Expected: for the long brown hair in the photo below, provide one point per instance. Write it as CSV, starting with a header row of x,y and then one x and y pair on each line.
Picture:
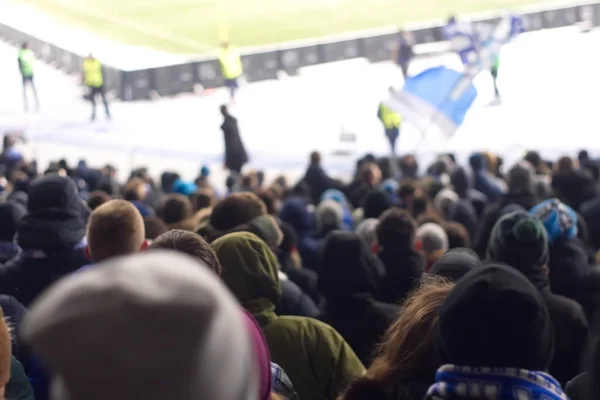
x,y
409,352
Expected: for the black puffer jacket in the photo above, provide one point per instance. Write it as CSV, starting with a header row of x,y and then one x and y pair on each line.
x,y
349,277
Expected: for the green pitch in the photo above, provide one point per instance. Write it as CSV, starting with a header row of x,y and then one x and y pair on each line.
x,y
197,26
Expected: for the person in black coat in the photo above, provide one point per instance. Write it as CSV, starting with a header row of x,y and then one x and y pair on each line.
x,y
520,193
520,241
349,277
235,152
404,265
572,185
316,178
52,237
11,213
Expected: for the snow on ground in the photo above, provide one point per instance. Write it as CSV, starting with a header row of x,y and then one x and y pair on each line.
x,y
548,79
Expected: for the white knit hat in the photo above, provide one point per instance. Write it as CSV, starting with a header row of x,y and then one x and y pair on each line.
x,y
153,326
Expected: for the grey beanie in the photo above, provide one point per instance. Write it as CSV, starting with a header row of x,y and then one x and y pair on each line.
x,y
153,326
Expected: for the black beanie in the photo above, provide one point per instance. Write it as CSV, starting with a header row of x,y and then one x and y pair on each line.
x,y
456,263
494,317
520,241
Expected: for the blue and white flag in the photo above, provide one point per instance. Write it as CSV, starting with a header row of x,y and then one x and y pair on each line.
x,y
437,97
440,97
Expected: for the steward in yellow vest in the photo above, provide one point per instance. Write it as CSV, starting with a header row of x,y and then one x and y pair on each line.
x,y
93,78
391,122
26,60
231,67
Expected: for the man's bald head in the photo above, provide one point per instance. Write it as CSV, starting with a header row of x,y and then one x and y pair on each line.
x,y
116,228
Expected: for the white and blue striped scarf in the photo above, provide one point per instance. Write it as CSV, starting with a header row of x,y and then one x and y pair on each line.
x,y
453,382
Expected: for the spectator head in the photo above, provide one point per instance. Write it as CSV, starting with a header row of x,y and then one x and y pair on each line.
x,y
201,200
455,264
295,212
396,229
236,209
458,236
115,229
177,208
444,200
521,179
565,164
188,243
494,317
56,219
559,219
11,213
168,299
135,190
268,197
154,227
224,110
420,205
347,267
375,203
329,216
409,351
315,158
370,174
250,269
534,158
25,45
408,189
185,188
432,240
520,240
367,231
97,198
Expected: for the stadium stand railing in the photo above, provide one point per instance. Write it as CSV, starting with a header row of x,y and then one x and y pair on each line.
x,y
266,62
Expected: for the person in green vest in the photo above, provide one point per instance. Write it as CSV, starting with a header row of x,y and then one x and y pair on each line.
x,y
391,122
93,78
231,67
26,60
494,72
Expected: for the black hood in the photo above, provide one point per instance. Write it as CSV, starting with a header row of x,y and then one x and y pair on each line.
x,y
456,263
495,317
57,217
347,268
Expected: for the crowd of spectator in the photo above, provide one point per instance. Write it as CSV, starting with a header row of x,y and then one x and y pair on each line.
x,y
408,282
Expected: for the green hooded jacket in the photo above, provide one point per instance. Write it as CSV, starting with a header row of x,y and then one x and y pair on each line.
x,y
317,359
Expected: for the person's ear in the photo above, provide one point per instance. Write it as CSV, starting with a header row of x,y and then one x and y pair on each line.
x,y
88,253
144,245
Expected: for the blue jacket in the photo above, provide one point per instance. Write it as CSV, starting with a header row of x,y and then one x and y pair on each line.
x,y
485,182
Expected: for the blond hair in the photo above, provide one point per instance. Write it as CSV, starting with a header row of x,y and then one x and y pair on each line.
x,y
116,228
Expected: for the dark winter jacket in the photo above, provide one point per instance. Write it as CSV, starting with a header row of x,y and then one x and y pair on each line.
x,y
492,213
403,269
52,239
590,211
572,276
349,277
303,277
318,181
294,301
574,187
295,213
235,152
484,181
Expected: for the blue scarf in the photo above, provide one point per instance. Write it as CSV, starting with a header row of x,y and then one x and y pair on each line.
x,y
454,382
